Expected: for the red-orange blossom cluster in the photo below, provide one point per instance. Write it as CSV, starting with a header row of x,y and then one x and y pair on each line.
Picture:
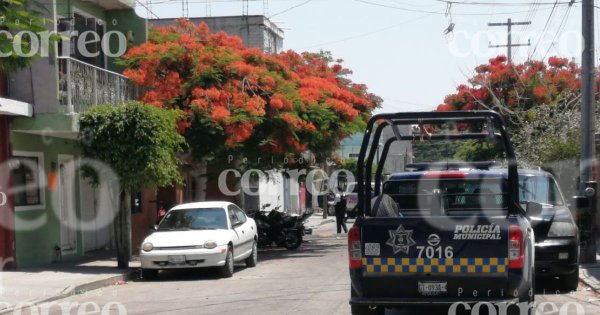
x,y
296,101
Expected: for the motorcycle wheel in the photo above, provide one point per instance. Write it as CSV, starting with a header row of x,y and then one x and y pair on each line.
x,y
292,241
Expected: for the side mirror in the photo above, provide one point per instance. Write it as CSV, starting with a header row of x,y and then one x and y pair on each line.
x,y
534,209
581,202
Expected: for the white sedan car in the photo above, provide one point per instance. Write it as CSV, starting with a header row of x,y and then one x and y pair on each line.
x,y
197,235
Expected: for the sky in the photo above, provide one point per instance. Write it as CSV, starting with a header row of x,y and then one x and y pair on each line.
x,y
398,47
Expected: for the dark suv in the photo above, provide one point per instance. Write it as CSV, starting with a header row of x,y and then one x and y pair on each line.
x,y
556,234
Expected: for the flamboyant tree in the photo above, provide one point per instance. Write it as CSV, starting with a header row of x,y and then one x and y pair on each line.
x,y
510,88
540,101
239,100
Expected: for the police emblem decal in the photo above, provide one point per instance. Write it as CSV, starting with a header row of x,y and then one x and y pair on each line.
x,y
401,240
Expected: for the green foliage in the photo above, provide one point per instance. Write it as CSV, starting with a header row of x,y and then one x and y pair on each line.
x,y
478,151
139,142
17,16
351,165
568,149
434,151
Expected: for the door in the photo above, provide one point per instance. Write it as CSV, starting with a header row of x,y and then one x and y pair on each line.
x,y
96,227
247,230
66,192
240,241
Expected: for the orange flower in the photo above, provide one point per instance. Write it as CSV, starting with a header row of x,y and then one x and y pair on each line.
x,y
220,113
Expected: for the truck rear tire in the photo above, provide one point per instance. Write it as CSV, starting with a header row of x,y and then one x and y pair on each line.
x,y
365,310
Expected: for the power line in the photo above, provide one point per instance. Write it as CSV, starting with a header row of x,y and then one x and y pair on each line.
x,y
368,33
548,22
435,12
503,3
559,30
530,16
147,9
291,8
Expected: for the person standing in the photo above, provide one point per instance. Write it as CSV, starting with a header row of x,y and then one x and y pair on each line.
x,y
340,214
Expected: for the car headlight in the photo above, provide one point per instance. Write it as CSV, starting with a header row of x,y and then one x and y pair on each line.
x,y
562,229
147,247
210,244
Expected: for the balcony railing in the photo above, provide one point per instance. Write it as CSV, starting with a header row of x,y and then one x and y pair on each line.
x,y
82,85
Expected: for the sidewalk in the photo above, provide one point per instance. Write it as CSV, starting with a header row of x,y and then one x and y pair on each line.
x,y
45,284
325,228
33,286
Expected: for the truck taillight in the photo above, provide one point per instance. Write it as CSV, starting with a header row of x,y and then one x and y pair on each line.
x,y
515,247
354,251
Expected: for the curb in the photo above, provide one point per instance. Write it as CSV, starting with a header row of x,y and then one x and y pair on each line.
x,y
79,289
584,276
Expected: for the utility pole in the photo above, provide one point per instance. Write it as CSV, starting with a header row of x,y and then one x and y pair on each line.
x,y
245,7
185,9
588,186
266,7
510,44
208,8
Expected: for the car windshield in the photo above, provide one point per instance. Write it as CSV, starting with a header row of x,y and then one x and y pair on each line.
x,y
459,194
540,189
194,219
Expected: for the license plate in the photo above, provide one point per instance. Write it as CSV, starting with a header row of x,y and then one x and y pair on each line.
x,y
176,259
433,288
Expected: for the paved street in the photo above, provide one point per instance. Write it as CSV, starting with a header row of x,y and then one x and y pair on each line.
x,y
312,280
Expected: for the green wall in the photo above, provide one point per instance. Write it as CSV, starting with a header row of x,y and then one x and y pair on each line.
x,y
65,8
129,23
126,21
36,247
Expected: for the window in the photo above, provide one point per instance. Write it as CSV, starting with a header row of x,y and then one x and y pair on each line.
x,y
241,215
28,180
85,25
236,215
541,189
194,219
458,194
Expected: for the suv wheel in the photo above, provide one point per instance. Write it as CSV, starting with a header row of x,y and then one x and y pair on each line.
x,y
570,282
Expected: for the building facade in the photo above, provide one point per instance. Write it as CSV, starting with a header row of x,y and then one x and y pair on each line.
x,y
60,215
256,31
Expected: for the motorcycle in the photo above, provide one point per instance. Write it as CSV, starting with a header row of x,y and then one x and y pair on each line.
x,y
282,229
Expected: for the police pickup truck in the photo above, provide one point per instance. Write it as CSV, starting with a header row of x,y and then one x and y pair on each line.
x,y
440,237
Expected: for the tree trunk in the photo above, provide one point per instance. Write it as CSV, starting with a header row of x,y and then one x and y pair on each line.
x,y
3,84
122,228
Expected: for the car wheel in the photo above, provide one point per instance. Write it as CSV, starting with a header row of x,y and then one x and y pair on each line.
x,y
149,274
365,310
253,258
227,269
570,282
292,241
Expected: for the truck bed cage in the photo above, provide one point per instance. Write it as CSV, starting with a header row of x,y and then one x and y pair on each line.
x,y
371,140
